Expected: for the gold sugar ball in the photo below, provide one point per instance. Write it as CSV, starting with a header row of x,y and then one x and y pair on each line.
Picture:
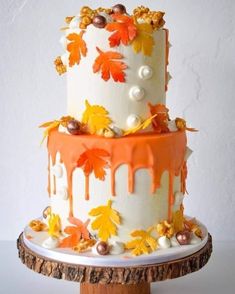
x,y
85,10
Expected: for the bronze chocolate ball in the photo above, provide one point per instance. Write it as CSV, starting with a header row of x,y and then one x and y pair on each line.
x,y
99,21
74,127
102,248
183,237
119,8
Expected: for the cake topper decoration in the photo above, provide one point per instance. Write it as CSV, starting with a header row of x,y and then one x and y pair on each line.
x,y
106,221
110,65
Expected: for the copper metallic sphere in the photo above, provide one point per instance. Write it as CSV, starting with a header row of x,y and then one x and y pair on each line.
x,y
119,8
102,248
99,21
74,127
183,237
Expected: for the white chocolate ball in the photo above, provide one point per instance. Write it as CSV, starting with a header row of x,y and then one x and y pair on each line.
x,y
116,248
164,242
51,243
137,93
133,121
145,72
63,193
174,242
57,170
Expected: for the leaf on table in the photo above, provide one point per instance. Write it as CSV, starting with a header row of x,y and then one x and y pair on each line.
x,y
95,117
143,42
110,66
76,232
124,30
106,221
143,243
92,160
77,48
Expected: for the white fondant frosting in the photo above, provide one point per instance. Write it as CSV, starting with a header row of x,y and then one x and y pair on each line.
x,y
57,170
110,94
188,153
51,243
137,93
145,72
195,239
75,22
174,242
64,42
172,126
116,248
63,193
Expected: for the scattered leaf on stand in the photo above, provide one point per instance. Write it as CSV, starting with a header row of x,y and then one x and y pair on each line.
x,y
92,160
144,40
110,65
106,221
37,225
84,245
54,225
165,229
124,30
96,118
143,244
76,232
76,48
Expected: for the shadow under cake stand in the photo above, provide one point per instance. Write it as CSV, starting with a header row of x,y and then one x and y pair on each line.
x,y
114,274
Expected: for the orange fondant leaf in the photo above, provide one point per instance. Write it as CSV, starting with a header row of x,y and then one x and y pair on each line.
x,y
95,117
93,160
144,40
124,30
76,233
106,221
182,126
110,65
160,121
143,244
76,48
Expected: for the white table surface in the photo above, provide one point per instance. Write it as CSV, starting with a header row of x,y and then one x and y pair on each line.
x,y
217,277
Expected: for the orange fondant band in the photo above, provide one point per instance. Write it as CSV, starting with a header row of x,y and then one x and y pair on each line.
x,y
155,152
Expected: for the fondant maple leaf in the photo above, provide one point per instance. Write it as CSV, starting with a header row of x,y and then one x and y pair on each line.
x,y
110,65
143,244
92,160
144,40
142,126
124,30
95,117
76,48
106,221
54,225
160,121
76,232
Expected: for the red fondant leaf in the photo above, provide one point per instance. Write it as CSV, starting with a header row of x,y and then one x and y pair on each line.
x,y
124,30
109,65
76,48
76,233
92,160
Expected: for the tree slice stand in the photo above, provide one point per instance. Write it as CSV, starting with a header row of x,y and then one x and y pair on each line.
x,y
114,280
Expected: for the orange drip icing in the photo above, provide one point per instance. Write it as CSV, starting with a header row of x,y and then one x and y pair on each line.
x,y
87,193
155,152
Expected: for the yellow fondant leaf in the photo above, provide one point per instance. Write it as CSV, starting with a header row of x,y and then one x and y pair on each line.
x,y
142,126
54,225
178,221
143,244
96,117
52,125
106,221
144,41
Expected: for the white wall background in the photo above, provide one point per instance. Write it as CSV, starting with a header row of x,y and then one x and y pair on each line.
x,y
202,64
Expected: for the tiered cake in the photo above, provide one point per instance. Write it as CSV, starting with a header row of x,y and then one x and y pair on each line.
x,y
117,162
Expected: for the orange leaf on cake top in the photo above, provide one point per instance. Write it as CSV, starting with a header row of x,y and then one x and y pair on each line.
x,y
160,121
124,30
76,48
110,65
93,160
76,232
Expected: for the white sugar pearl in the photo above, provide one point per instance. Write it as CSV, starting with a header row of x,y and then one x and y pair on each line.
x,y
145,72
133,121
51,243
164,242
63,193
174,242
57,170
137,93
116,248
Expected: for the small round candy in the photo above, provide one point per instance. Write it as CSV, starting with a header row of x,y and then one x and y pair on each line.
x,y
74,127
133,121
145,72
137,93
119,8
183,237
99,21
102,248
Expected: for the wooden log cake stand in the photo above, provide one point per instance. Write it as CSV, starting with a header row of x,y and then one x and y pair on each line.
x,y
114,280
